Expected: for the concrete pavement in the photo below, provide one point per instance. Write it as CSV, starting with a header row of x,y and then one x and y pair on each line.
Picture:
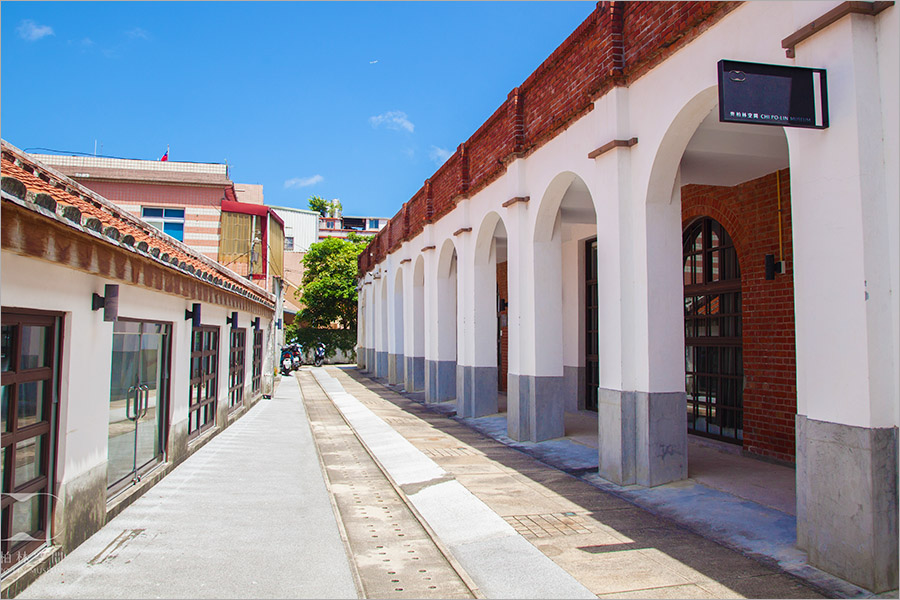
x,y
246,516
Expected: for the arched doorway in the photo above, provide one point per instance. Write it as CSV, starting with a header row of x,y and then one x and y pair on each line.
x,y
441,371
713,353
415,360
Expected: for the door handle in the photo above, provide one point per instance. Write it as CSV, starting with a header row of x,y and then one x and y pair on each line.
x,y
146,400
128,414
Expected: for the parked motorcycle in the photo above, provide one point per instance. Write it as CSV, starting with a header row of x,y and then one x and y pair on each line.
x,y
287,362
320,355
296,355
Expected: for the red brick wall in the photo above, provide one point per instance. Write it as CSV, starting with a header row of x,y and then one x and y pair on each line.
x,y
618,43
749,212
503,294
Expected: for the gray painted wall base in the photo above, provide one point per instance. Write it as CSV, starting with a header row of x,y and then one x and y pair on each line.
x,y
395,368
477,391
381,364
440,380
576,387
370,360
82,509
661,448
615,416
361,354
415,373
535,407
847,501
642,437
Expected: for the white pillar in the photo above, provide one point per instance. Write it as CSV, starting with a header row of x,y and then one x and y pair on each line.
x,y
846,308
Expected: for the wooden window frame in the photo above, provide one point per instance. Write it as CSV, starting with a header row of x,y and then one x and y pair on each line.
x,y
256,374
41,484
201,400
708,350
237,352
592,389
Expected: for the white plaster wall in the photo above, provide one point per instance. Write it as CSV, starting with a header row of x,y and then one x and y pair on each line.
x,y
87,349
888,47
398,345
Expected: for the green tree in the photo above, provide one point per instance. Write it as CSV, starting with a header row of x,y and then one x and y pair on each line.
x,y
318,204
328,290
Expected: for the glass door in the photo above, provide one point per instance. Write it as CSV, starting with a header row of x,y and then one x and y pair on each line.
x,y
138,393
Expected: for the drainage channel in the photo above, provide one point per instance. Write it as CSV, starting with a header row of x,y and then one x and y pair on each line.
x,y
395,557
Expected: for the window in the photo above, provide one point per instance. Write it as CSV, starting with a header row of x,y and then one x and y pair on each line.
x,y
236,368
329,224
288,244
256,380
714,372
591,325
29,373
204,379
373,223
168,220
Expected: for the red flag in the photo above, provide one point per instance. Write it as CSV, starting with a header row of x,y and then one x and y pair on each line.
x,y
166,155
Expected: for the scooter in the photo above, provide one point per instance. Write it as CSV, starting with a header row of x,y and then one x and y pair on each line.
x,y
296,355
320,355
287,363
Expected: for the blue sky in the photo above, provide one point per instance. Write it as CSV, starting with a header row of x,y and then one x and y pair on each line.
x,y
352,100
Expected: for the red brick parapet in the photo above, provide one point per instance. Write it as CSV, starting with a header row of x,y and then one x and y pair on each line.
x,y
617,44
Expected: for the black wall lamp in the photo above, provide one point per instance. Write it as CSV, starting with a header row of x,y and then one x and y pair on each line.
x,y
109,302
232,320
773,266
193,314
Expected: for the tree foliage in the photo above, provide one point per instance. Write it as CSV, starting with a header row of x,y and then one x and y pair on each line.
x,y
318,204
328,290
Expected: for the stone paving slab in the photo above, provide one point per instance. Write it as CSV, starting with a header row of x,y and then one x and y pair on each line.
x,y
629,552
246,516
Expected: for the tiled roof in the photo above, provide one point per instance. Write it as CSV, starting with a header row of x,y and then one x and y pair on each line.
x,y
48,191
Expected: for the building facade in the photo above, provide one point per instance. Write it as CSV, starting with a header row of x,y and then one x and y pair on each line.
x,y
123,352
340,226
196,203
604,242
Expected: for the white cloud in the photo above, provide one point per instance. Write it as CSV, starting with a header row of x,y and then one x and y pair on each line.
x,y
87,42
138,33
300,182
31,31
393,119
439,155
373,62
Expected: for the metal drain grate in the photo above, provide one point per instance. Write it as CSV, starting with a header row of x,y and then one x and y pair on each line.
x,y
445,452
394,556
550,525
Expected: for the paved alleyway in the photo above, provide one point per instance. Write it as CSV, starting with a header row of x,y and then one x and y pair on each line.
x,y
246,516
611,547
429,508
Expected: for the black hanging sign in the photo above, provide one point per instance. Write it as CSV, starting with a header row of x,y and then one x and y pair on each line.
x,y
772,95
